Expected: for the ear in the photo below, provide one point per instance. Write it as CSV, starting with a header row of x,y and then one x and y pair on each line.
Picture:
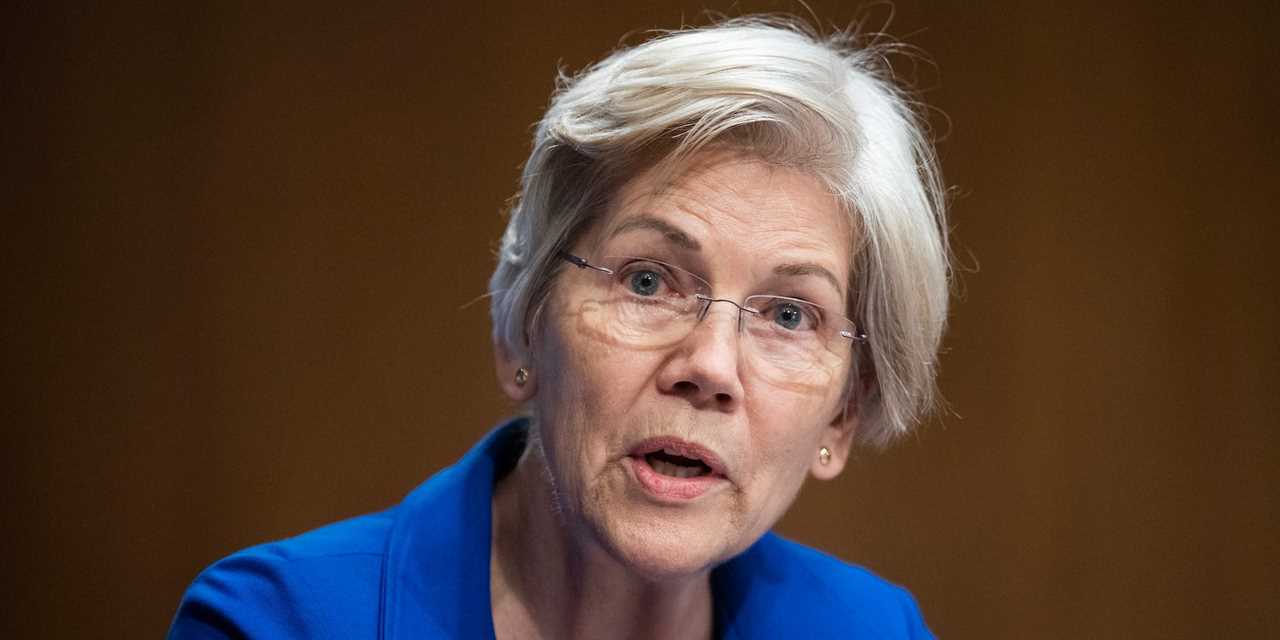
x,y
837,437
506,363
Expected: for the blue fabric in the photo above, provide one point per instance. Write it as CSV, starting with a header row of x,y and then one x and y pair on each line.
x,y
421,570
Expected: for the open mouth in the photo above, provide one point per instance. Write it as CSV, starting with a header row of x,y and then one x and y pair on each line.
x,y
675,458
674,471
675,465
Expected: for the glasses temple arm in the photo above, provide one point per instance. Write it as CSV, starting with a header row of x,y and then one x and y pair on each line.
x,y
582,263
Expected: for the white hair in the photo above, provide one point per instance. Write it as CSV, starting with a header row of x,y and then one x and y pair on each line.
x,y
773,89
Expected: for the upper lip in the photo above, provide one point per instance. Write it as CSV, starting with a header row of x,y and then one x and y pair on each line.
x,y
679,447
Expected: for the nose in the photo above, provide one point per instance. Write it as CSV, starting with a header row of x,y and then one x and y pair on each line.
x,y
703,368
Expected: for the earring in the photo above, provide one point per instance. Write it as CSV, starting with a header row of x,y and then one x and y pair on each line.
x,y
824,456
522,376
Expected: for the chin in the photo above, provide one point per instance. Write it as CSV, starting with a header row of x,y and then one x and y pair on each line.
x,y
661,549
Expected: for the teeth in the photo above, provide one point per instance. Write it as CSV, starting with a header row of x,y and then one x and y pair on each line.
x,y
669,469
678,454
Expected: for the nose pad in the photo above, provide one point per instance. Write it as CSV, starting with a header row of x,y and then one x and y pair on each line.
x,y
706,309
736,310
705,368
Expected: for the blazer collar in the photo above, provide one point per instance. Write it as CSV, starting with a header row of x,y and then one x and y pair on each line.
x,y
435,581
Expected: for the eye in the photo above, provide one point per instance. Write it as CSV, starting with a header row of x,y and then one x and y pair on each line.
x,y
792,315
788,315
648,278
644,282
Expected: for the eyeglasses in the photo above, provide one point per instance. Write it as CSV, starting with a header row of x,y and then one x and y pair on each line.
x,y
645,303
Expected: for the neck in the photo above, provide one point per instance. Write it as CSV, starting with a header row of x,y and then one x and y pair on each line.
x,y
547,581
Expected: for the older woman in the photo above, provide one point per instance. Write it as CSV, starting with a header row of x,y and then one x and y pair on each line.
x,y
725,269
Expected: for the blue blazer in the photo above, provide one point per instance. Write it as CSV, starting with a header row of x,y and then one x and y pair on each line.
x,y
421,570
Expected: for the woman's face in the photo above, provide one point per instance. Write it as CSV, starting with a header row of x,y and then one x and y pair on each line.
x,y
623,425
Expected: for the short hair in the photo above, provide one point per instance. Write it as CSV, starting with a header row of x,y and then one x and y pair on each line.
x,y
775,89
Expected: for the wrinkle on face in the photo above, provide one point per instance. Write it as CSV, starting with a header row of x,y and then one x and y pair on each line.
x,y
740,224
713,205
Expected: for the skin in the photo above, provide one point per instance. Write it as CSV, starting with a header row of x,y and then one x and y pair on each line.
x,y
579,549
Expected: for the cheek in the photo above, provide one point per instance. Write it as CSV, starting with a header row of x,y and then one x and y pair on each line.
x,y
585,394
785,459
782,474
591,372
559,407
787,426
785,435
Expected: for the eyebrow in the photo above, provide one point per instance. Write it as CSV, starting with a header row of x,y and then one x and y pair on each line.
x,y
808,269
672,233
678,237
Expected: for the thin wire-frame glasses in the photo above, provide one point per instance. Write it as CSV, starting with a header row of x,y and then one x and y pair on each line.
x,y
649,303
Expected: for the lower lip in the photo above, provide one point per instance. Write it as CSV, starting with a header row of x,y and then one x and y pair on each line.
x,y
670,488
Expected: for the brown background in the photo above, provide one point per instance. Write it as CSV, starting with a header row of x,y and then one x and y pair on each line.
x,y
239,242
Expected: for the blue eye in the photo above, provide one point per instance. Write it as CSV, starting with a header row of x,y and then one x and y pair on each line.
x,y
644,283
788,315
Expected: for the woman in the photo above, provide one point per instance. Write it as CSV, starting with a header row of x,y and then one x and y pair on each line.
x,y
725,269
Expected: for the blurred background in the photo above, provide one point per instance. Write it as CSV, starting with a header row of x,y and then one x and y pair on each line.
x,y
240,242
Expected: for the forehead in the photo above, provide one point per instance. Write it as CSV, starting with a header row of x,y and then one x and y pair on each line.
x,y
732,207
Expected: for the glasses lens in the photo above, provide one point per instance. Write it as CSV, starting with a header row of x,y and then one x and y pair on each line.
x,y
646,304
795,335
